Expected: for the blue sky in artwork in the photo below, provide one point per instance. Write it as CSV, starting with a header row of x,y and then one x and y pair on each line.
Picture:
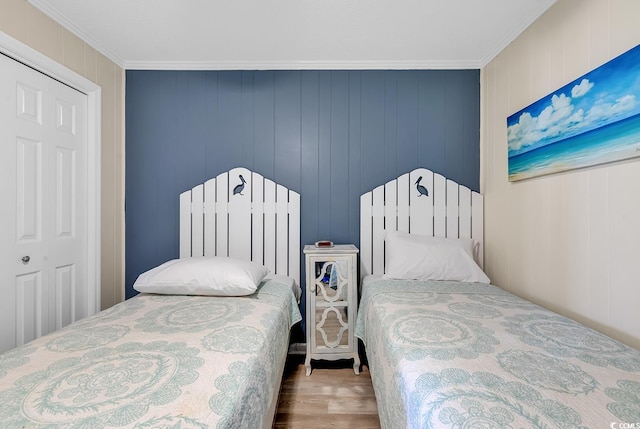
x,y
603,96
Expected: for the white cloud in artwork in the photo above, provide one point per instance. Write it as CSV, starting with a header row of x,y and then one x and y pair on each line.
x,y
604,111
581,89
561,117
551,121
559,109
523,133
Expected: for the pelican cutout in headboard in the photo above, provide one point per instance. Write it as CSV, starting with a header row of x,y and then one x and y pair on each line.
x,y
419,202
243,215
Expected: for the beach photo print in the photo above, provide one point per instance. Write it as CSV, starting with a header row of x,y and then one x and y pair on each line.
x,y
593,120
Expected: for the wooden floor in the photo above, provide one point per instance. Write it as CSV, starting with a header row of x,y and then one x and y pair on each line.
x,y
333,396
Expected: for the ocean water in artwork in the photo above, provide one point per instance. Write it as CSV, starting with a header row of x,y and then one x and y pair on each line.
x,y
612,142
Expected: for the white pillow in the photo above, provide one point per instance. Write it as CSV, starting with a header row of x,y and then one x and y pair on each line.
x,y
422,257
215,276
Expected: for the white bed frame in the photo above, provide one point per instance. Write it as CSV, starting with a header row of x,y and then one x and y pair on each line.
x,y
241,214
449,210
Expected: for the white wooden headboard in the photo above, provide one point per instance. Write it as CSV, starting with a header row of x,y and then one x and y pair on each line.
x,y
243,215
419,202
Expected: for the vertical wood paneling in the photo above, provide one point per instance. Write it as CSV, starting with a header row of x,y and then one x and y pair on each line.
x,y
624,251
189,160
339,156
471,127
287,128
390,124
355,154
209,91
143,95
309,147
167,140
248,120
372,111
180,148
264,105
432,120
454,136
599,273
324,155
230,114
329,135
407,122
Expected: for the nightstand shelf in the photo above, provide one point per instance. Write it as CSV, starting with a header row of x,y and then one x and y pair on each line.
x,y
331,301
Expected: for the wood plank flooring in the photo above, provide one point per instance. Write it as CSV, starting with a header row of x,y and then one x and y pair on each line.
x,y
333,396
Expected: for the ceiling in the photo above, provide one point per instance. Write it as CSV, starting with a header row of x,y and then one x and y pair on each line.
x,y
296,34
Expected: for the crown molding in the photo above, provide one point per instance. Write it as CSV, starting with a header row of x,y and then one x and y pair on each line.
x,y
301,65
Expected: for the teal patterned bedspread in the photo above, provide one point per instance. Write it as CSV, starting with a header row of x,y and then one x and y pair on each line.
x,y
154,361
465,355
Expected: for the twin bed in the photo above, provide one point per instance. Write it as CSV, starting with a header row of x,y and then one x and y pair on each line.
x,y
172,359
450,350
447,350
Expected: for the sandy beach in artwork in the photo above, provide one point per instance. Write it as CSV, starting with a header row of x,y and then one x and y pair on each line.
x,y
559,166
614,142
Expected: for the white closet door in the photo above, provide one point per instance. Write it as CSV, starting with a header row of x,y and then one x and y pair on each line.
x,y
43,231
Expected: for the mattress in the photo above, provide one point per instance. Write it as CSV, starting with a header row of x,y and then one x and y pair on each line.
x,y
155,361
453,355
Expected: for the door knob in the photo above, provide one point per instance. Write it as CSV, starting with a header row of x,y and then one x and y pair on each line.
x,y
25,259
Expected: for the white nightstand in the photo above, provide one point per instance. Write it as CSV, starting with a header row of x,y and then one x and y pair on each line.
x,y
331,300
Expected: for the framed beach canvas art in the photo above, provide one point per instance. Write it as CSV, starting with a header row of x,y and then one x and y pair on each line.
x,y
593,120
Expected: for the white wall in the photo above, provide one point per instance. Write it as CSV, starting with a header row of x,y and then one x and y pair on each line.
x,y
570,241
27,24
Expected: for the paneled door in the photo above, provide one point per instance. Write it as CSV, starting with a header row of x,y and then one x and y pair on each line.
x,y
43,231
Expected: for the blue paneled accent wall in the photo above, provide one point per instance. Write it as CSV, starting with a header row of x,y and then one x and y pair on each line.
x,y
329,135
